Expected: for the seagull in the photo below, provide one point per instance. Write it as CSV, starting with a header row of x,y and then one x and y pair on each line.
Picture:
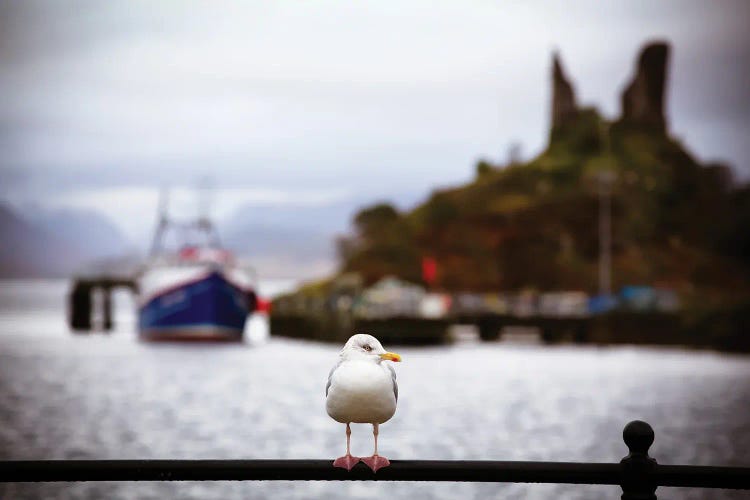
x,y
362,390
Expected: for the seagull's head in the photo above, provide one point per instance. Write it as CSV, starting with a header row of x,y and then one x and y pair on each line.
x,y
366,347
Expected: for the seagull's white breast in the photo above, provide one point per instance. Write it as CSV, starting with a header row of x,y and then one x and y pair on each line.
x,y
361,392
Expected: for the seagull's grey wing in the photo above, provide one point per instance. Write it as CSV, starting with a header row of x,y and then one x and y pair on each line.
x,y
393,378
330,375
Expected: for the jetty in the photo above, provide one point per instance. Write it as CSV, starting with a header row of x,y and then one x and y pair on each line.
x,y
402,313
83,308
617,327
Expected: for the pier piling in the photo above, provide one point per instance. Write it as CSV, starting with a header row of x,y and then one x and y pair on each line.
x,y
80,307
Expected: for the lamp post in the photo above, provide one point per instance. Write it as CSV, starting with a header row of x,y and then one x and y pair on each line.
x,y
606,179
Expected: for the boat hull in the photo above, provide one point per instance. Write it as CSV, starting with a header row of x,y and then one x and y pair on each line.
x,y
206,308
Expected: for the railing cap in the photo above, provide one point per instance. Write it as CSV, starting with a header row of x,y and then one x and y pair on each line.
x,y
638,436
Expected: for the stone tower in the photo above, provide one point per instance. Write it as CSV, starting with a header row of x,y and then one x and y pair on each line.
x,y
564,108
643,99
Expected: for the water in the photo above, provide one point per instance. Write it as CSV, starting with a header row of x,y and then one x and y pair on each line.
x,y
110,396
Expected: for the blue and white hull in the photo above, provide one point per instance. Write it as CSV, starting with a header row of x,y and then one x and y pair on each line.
x,y
196,303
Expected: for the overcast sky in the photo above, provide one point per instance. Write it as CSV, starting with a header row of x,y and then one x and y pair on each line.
x,y
309,103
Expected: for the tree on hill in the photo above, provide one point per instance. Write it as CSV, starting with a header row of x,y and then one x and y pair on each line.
x,y
382,245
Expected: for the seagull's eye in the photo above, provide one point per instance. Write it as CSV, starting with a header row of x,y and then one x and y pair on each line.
x,y
367,348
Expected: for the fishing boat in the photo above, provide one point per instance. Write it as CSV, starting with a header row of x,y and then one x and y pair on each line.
x,y
196,292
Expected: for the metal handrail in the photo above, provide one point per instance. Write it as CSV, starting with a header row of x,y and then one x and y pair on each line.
x,y
637,474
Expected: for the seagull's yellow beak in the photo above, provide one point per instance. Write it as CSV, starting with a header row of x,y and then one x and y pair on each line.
x,y
391,356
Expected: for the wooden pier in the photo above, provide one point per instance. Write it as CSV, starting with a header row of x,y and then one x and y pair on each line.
x,y
620,327
81,304
615,327
399,330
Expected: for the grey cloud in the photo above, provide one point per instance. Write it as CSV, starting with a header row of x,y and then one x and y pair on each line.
x,y
136,93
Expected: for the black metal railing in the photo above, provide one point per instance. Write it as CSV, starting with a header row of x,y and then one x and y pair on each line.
x,y
638,474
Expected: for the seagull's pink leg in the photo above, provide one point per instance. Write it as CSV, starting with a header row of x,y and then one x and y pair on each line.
x,y
376,462
347,461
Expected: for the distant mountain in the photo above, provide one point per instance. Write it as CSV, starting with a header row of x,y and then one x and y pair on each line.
x,y
287,240
25,249
91,233
277,241
281,252
330,218
55,243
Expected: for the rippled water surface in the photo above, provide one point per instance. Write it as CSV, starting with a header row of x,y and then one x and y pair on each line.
x,y
110,396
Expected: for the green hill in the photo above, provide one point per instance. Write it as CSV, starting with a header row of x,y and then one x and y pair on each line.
x,y
675,222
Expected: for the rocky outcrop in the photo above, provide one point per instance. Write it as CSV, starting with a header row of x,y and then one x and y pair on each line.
x,y
643,99
564,107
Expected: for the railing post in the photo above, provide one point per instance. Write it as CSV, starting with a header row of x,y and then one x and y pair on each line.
x,y
638,468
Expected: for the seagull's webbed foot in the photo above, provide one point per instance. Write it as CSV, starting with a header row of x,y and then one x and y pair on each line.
x,y
346,462
376,462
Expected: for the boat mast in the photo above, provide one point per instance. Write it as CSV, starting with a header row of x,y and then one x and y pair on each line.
x,y
162,223
200,231
205,200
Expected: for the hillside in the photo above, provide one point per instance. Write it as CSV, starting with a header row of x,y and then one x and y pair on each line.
x,y
24,248
281,241
675,222
55,244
